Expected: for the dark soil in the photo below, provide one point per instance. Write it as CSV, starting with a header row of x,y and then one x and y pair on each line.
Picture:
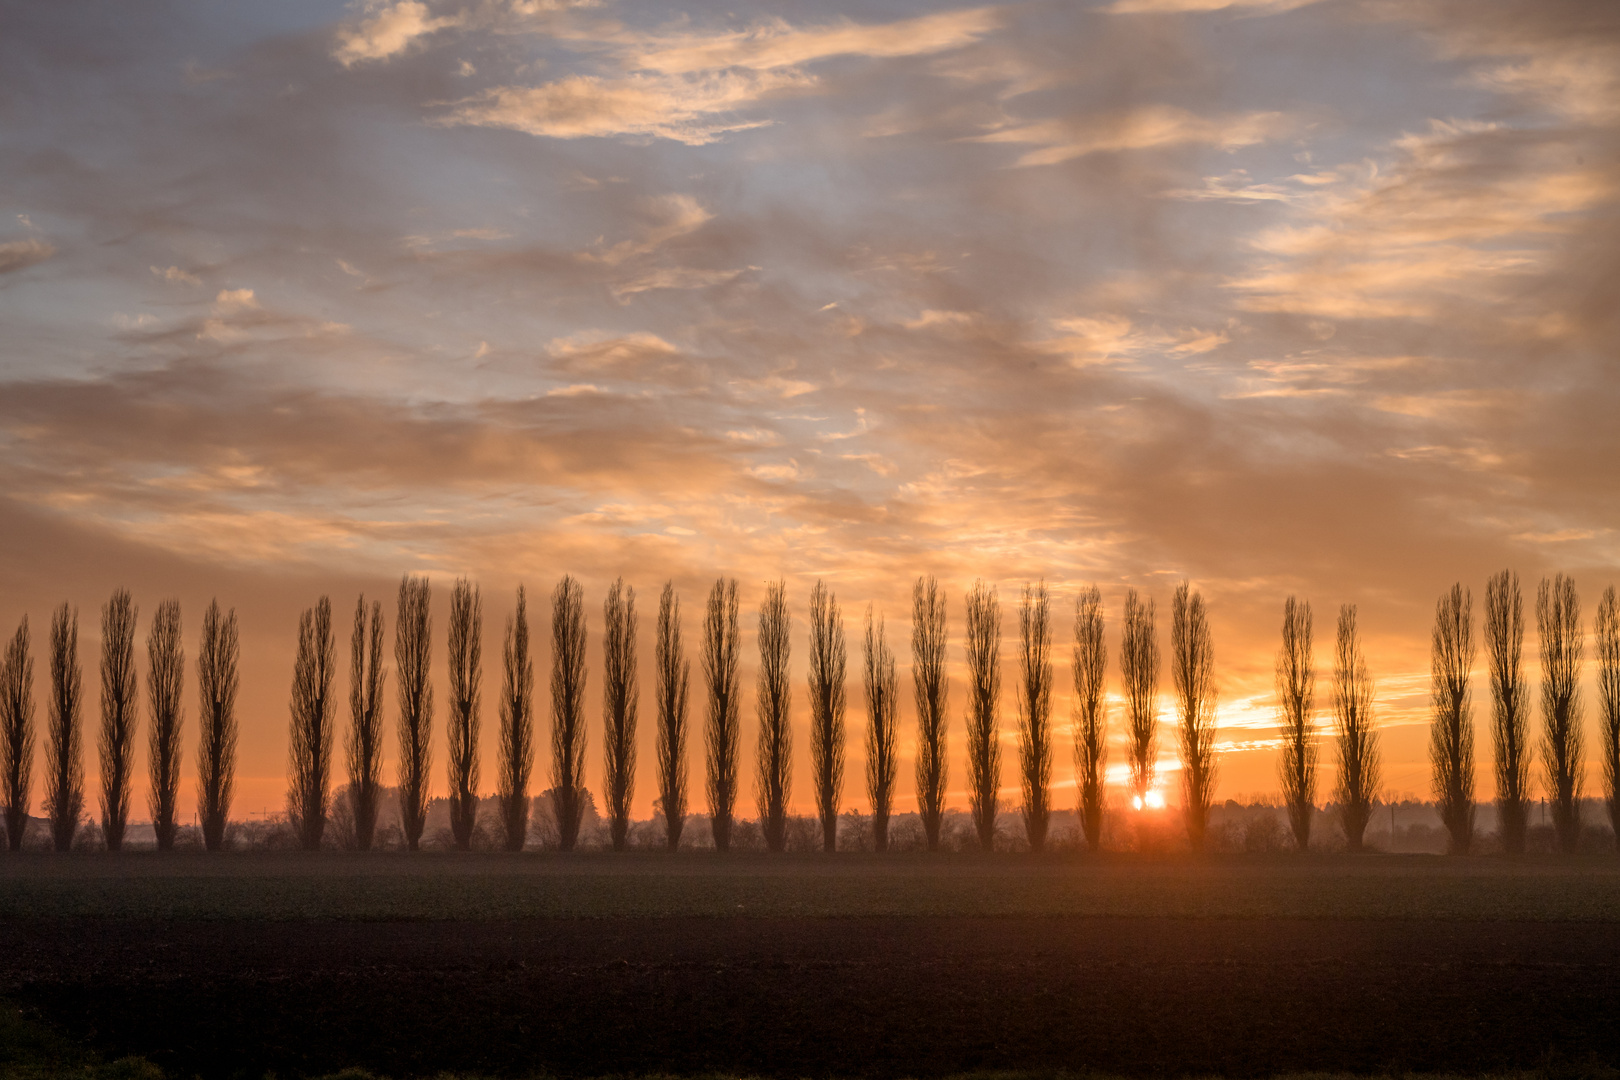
x,y
817,997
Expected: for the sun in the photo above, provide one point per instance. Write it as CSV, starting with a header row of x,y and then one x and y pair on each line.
x,y
1154,800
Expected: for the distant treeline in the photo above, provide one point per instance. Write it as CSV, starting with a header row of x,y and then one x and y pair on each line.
x,y
314,708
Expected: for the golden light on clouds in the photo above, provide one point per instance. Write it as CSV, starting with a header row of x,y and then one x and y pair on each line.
x,y
1277,297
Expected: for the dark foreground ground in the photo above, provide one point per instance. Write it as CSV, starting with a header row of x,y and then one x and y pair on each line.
x,y
808,997
782,968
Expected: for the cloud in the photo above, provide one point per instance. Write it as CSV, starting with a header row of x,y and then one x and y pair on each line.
x,y
175,276
688,88
1132,7
687,109
778,44
1146,128
21,254
388,32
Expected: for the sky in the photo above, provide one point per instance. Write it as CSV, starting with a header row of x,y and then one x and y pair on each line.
x,y
1277,298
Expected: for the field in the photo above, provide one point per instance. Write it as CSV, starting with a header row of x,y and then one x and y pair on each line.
x,y
800,966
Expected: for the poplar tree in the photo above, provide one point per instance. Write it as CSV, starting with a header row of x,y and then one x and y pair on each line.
x,y
17,734
1139,670
931,687
217,683
1296,702
1558,619
720,656
1510,737
773,702
517,727
1451,732
120,705
1035,711
1090,670
465,649
413,661
826,685
568,709
983,649
882,694
674,673
1357,736
165,687
64,762
311,730
620,695
366,677
1193,668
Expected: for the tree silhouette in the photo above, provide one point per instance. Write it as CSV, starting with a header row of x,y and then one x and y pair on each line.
x,y
674,673
1139,670
1193,670
983,650
119,715
826,685
1357,737
773,701
413,661
1296,701
1606,643
932,689
720,655
466,699
311,731
517,727
17,733
64,763
568,709
620,695
1090,670
1035,711
1451,733
1504,651
882,694
165,683
366,677
1558,620
217,682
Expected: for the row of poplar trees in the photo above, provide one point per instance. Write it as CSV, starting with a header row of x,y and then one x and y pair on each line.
x,y
314,707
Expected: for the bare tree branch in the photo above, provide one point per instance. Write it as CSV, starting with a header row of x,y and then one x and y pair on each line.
x,y
217,681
